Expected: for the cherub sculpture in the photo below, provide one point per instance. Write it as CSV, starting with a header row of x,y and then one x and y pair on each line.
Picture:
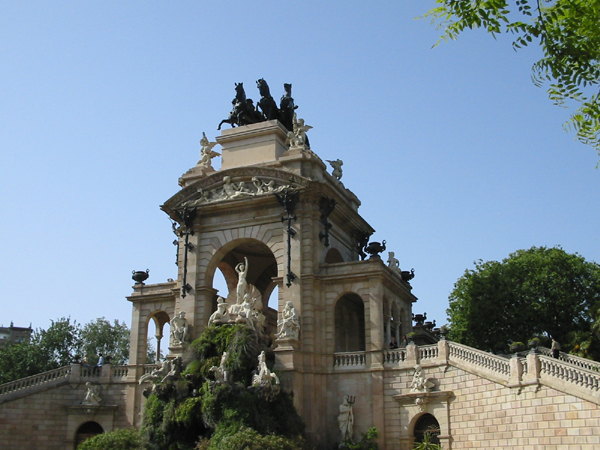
x,y
206,152
297,137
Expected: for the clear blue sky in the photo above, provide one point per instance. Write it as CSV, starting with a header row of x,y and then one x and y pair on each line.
x,y
454,153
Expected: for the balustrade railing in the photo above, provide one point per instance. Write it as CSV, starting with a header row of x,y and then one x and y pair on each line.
x,y
428,351
36,380
394,356
479,358
119,371
350,359
553,368
571,359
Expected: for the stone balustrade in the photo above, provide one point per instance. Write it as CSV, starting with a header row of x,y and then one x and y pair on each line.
x,y
556,370
394,356
478,358
428,351
354,360
572,359
68,374
62,373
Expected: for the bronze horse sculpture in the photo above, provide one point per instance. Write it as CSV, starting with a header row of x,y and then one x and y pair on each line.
x,y
243,112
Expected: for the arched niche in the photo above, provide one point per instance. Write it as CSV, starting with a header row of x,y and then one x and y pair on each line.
x,y
349,324
160,332
86,431
333,256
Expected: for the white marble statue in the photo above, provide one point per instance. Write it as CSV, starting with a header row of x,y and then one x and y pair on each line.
x,y
262,186
264,377
230,190
179,329
419,382
297,137
206,152
289,324
221,375
393,263
337,168
157,374
346,420
221,315
242,285
92,395
174,373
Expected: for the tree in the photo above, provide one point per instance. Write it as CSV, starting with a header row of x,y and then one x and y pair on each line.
x,y
536,292
48,349
64,343
99,336
568,32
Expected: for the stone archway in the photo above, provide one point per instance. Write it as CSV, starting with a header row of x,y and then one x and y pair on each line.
x,y
262,271
427,424
86,431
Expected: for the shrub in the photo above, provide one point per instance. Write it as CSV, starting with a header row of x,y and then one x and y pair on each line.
x,y
127,439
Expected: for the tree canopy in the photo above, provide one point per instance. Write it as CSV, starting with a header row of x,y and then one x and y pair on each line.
x,y
536,292
64,342
568,32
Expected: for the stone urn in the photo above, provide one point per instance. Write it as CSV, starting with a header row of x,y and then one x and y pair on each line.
x,y
375,248
139,276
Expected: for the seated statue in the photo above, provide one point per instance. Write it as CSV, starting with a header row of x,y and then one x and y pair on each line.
x,y
289,324
179,329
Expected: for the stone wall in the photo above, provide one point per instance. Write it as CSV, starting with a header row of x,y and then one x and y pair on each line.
x,y
483,413
48,416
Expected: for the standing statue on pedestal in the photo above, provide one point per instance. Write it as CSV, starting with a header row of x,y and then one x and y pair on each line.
x,y
289,324
346,420
206,152
287,108
179,329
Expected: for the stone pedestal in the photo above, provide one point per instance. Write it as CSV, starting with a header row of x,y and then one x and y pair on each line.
x,y
252,144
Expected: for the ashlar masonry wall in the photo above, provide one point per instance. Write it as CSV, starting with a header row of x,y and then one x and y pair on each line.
x,y
483,413
48,417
